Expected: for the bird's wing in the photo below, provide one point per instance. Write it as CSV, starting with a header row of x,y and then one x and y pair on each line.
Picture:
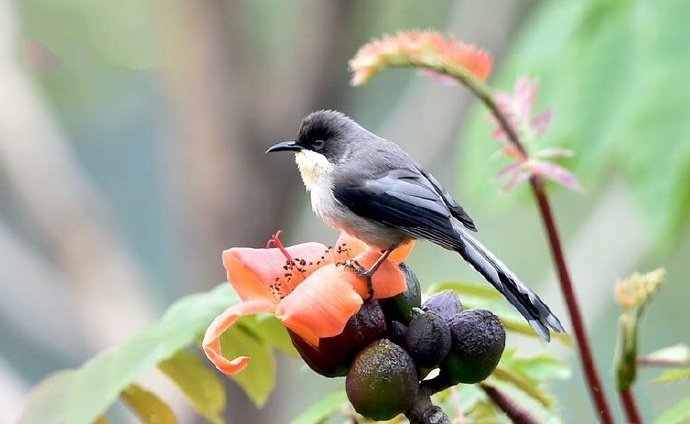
x,y
403,199
455,209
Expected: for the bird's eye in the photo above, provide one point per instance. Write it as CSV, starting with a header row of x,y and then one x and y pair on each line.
x,y
317,144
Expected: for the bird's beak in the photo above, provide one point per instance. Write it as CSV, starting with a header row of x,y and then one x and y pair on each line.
x,y
290,146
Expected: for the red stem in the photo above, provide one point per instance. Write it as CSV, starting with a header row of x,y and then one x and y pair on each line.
x,y
631,412
596,390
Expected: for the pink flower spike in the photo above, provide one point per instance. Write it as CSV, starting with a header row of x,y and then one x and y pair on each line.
x,y
557,174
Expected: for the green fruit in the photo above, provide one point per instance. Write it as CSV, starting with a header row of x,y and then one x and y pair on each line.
x,y
477,342
427,340
335,354
382,381
399,307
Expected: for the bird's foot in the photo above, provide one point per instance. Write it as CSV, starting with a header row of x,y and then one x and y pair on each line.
x,y
358,269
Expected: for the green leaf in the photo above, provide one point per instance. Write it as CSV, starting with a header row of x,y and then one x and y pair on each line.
x,y
96,385
269,329
148,407
200,385
538,368
678,414
523,383
45,402
481,291
319,412
676,353
674,375
258,379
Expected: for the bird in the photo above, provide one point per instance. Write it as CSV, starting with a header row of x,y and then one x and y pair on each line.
x,y
371,189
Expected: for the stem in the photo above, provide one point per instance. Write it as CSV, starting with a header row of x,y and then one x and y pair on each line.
x,y
508,405
425,412
631,412
596,390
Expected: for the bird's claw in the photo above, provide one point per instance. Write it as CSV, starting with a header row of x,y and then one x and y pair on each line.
x,y
358,269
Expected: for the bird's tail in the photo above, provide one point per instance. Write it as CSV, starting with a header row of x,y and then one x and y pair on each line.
x,y
526,301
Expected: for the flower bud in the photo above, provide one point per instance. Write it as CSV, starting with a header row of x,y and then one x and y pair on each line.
x,y
382,381
427,340
477,342
335,354
445,304
399,307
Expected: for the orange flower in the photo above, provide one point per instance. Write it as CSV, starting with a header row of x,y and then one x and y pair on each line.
x,y
304,287
420,48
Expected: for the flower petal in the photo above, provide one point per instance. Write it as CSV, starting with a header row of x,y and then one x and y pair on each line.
x,y
388,280
222,322
320,306
401,252
267,274
557,174
348,247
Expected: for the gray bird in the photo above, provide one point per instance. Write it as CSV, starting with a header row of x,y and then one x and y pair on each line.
x,y
370,188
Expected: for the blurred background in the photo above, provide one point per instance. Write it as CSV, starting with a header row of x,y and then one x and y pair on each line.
x,y
132,139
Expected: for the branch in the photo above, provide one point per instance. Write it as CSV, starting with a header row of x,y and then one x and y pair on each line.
x,y
595,387
631,412
517,414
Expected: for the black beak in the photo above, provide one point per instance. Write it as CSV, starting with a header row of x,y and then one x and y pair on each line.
x,y
285,146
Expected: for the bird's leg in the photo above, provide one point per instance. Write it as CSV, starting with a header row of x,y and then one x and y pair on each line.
x,y
368,273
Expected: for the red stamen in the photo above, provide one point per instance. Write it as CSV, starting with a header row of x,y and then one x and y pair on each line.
x,y
275,242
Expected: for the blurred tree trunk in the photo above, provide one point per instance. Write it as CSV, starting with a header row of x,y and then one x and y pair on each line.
x,y
228,110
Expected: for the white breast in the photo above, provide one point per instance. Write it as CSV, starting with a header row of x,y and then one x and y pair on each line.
x,y
312,166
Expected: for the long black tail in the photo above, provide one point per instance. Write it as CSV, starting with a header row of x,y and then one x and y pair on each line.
x,y
526,301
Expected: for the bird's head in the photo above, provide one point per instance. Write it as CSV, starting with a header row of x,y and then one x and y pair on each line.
x,y
324,140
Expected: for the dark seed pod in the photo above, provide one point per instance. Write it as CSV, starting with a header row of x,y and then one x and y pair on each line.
x,y
445,304
334,355
427,340
396,333
477,342
382,381
399,307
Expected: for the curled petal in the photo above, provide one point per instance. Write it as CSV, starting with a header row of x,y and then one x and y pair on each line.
x,y
211,342
401,253
320,306
267,274
348,247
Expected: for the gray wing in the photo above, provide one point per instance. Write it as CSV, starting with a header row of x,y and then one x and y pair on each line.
x,y
456,210
404,199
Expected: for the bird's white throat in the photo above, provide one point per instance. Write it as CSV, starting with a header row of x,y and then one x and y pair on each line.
x,y
312,166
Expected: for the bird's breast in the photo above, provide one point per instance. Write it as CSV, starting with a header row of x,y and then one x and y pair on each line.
x,y
312,167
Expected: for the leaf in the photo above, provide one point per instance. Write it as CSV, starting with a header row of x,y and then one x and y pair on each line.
x,y
148,407
523,383
258,379
676,353
323,409
97,384
465,288
44,404
269,329
678,414
200,385
539,368
674,375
